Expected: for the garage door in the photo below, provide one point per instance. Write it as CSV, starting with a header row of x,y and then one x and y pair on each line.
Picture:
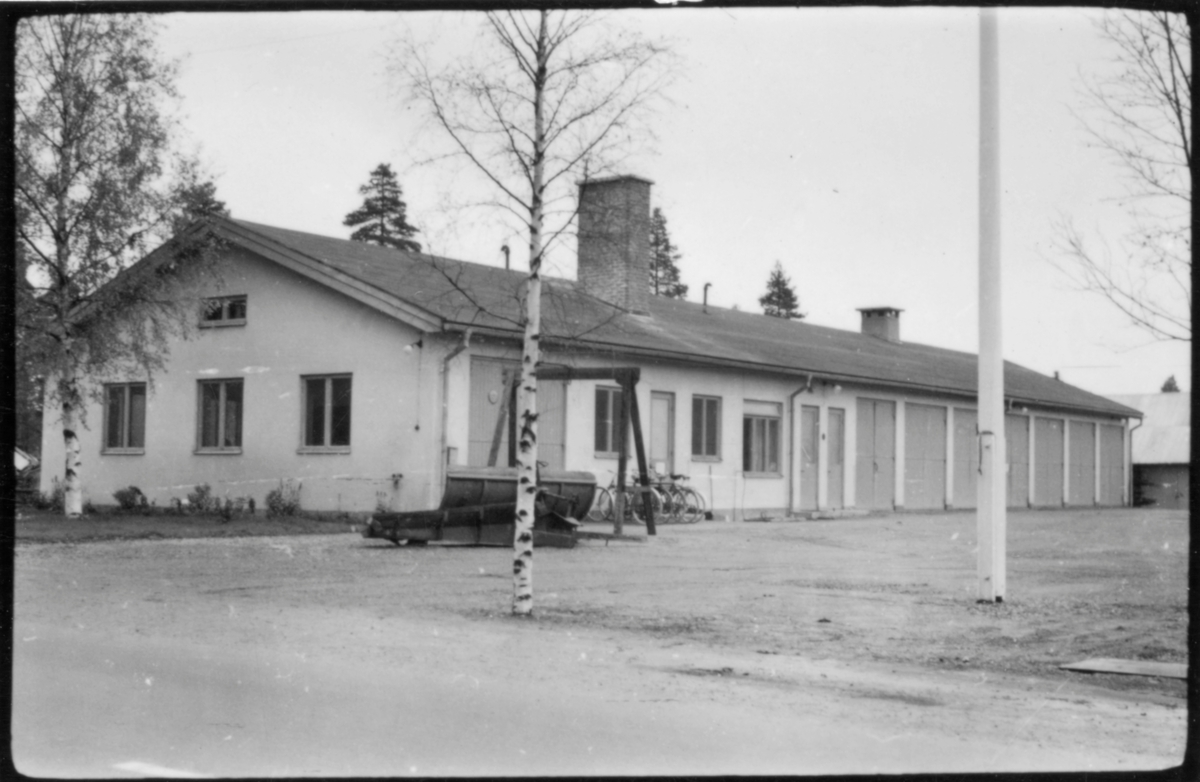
x,y
966,457
1016,445
1112,464
1082,488
489,423
875,462
924,456
1048,462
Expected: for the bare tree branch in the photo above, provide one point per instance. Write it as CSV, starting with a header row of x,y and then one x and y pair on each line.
x,y
543,95
1141,115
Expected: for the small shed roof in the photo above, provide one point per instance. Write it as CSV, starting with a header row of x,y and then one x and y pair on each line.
x,y
1165,436
462,294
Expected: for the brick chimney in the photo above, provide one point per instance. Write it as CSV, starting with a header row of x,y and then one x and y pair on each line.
x,y
614,241
882,322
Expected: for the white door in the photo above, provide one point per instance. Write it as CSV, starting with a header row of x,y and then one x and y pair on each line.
x,y
662,432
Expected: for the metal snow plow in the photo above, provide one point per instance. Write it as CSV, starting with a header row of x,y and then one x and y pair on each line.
x,y
479,506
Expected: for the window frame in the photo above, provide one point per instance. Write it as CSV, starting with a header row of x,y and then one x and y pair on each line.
x,y
224,320
703,456
327,413
614,421
126,394
758,446
222,413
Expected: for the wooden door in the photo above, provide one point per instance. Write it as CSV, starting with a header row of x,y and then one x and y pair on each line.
x,y
924,456
1082,486
488,422
966,457
1112,464
662,432
1048,462
836,457
1016,445
810,462
875,462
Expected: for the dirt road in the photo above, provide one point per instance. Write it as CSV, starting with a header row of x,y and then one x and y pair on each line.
x,y
864,628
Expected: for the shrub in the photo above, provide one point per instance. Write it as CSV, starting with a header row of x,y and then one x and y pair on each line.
x,y
236,506
284,500
130,498
201,500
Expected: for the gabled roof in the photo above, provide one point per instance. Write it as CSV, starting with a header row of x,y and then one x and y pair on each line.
x,y
1165,436
443,294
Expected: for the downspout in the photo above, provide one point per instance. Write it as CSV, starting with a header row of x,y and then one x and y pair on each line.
x,y
443,454
1129,460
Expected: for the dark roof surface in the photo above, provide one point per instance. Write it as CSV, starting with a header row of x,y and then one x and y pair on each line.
x,y
467,294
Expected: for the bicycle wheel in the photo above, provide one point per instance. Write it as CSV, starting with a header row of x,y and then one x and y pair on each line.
x,y
602,506
693,505
674,504
633,501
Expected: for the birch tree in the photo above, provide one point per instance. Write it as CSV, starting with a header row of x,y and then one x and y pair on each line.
x,y
97,185
1140,114
546,99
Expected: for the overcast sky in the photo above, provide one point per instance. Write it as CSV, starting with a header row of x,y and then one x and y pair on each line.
x,y
842,143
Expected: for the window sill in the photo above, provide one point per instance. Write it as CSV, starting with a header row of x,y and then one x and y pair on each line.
x,y
122,451
323,449
698,458
217,451
220,324
608,455
762,475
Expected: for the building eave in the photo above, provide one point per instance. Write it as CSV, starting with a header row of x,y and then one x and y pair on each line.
x,y
626,352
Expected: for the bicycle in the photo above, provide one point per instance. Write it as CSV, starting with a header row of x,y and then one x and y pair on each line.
x,y
604,505
682,504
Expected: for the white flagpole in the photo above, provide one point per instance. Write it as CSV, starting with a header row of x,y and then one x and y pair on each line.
x,y
991,516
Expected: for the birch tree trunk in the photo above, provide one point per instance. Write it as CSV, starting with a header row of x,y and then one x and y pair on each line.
x,y
72,483
527,452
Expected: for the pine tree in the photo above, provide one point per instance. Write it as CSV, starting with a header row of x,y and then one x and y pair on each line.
x,y
196,201
664,257
1170,387
780,300
381,219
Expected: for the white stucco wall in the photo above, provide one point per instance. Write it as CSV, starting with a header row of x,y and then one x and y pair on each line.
x,y
410,412
294,327
723,482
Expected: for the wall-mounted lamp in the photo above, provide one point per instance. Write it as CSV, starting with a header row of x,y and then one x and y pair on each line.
x,y
420,343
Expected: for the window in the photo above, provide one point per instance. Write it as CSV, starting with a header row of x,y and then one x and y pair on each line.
x,y
224,311
221,416
706,427
760,438
326,413
125,418
608,420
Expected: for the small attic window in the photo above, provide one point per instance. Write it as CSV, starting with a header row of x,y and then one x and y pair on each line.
x,y
224,311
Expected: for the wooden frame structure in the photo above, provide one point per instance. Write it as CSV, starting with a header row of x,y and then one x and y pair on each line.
x,y
626,378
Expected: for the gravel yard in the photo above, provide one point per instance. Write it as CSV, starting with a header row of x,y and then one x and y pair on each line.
x,y
871,620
